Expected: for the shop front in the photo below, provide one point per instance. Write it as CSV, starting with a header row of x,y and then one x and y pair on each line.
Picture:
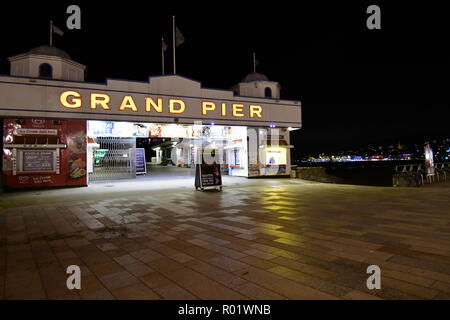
x,y
115,149
61,132
48,152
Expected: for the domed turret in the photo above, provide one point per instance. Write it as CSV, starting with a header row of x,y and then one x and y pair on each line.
x,y
254,76
46,62
49,51
256,84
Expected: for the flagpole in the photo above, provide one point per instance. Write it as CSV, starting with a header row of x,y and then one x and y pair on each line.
x,y
51,33
254,62
174,45
162,55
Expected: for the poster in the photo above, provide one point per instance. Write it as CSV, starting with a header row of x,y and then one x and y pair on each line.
x,y
98,128
141,167
208,174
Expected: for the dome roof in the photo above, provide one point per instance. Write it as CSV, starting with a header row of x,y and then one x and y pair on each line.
x,y
49,51
254,76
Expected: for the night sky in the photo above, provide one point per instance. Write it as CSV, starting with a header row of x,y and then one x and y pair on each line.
x,y
357,86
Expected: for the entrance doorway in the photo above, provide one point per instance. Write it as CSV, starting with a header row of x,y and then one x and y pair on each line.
x,y
111,158
156,152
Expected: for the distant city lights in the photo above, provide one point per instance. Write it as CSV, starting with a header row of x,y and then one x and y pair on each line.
x,y
395,152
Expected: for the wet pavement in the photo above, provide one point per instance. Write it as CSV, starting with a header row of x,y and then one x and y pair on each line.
x,y
257,239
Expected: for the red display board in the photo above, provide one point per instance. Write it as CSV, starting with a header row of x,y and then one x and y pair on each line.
x,y
41,153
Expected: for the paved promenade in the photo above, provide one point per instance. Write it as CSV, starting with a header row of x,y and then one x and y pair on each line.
x,y
257,239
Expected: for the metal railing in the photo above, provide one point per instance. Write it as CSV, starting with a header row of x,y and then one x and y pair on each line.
x,y
415,170
442,169
419,173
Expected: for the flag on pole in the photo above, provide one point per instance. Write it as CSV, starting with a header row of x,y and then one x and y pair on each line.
x,y
53,30
163,48
57,30
179,38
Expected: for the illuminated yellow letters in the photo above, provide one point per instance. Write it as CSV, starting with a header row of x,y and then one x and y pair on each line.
x,y
172,102
224,112
101,99
149,103
128,103
237,110
255,110
208,106
76,100
72,99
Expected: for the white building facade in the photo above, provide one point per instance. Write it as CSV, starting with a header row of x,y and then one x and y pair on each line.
x,y
249,125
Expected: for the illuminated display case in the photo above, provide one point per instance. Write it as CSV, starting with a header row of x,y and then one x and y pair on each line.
x,y
274,161
276,156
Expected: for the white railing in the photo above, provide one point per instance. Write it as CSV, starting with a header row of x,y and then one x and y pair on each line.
x,y
416,170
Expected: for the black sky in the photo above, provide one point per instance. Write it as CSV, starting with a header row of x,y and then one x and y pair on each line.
x,y
357,86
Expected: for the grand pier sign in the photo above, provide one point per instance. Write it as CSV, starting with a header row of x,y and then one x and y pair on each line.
x,y
165,99
73,100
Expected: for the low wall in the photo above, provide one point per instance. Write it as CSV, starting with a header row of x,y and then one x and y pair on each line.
x,y
404,180
316,174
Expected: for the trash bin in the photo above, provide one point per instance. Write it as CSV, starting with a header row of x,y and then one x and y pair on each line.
x,y
293,171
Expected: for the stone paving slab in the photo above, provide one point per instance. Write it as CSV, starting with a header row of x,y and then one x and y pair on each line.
x,y
279,239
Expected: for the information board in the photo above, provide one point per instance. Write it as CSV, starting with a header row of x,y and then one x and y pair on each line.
x,y
207,175
38,161
141,167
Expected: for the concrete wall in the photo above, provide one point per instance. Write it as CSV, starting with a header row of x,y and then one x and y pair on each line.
x,y
403,180
316,174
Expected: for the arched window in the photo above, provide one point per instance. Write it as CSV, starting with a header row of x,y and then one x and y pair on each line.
x,y
45,71
268,92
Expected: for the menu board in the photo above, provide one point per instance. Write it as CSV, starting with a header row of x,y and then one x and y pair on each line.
x,y
37,161
208,175
141,167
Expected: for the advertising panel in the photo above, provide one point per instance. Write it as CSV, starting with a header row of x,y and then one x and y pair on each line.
x,y
429,162
208,174
44,153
